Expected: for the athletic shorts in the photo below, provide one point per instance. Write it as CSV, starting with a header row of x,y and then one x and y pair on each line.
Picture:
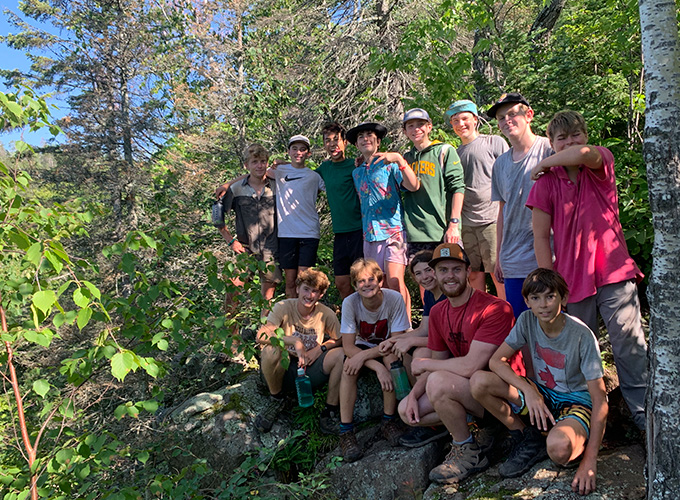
x,y
480,246
314,372
576,405
347,247
393,249
414,248
297,252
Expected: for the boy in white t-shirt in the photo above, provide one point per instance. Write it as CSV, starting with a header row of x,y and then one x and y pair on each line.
x,y
369,316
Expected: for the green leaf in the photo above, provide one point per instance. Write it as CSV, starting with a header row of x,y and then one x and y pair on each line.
x,y
84,317
44,300
64,456
41,387
122,363
34,253
120,412
93,290
80,298
57,264
150,405
143,457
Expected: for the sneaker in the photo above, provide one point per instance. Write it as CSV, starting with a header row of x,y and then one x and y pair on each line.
x,y
266,418
526,453
351,452
420,436
330,424
461,462
391,431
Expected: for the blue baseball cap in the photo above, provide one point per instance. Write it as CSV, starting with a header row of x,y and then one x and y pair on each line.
x,y
416,114
462,106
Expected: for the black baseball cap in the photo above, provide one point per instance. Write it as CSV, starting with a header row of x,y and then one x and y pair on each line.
x,y
511,98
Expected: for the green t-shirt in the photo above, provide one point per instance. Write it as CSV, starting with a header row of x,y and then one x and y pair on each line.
x,y
342,195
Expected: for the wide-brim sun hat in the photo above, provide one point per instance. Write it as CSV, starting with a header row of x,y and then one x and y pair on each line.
x,y
379,130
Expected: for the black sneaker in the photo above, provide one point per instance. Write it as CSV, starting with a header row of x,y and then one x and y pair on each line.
x,y
330,423
420,436
266,418
527,452
488,432
351,452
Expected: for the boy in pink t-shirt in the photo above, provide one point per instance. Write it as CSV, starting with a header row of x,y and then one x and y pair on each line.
x,y
575,196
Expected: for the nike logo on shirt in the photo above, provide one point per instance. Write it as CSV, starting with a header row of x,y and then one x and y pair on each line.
x,y
288,178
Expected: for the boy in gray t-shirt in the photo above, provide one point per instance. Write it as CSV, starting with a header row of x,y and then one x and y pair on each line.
x,y
511,183
477,153
567,394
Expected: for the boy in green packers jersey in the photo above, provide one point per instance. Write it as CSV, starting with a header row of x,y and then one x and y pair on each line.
x,y
431,214
343,201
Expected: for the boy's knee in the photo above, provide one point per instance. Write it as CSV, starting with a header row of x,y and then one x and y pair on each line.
x,y
270,355
559,446
435,387
479,383
483,383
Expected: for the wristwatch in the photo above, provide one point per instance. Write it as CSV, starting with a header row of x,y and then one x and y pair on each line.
x,y
323,348
455,220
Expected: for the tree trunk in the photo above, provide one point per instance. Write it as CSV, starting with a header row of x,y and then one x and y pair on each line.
x,y
546,19
661,52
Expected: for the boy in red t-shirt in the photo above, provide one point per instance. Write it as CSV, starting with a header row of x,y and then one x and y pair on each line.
x,y
575,196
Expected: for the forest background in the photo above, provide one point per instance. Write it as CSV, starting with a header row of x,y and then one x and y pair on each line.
x,y
111,276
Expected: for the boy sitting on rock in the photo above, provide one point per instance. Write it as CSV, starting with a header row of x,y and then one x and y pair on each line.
x,y
305,323
369,316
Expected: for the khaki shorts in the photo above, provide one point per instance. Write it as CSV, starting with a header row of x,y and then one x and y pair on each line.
x,y
480,246
273,272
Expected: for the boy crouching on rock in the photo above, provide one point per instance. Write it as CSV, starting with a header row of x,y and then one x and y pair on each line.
x,y
568,395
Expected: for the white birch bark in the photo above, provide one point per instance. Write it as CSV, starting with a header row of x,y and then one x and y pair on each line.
x,y
661,53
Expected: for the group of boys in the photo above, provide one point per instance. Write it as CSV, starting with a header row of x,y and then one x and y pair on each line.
x,y
467,358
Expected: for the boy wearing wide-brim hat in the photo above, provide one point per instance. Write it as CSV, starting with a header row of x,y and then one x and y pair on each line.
x,y
378,184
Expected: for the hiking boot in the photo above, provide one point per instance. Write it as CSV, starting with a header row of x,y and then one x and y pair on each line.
x,y
330,423
420,436
488,433
461,462
529,450
351,452
266,418
391,431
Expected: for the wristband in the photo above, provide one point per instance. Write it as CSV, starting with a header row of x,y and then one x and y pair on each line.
x,y
231,243
402,166
454,220
323,348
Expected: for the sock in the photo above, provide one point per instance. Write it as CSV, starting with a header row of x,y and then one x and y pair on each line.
x,y
330,409
388,418
345,428
278,395
470,439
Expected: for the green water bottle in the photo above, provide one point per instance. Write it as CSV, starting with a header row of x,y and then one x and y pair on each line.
x,y
401,384
304,389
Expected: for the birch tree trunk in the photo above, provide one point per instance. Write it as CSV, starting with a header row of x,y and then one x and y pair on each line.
x,y
661,53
